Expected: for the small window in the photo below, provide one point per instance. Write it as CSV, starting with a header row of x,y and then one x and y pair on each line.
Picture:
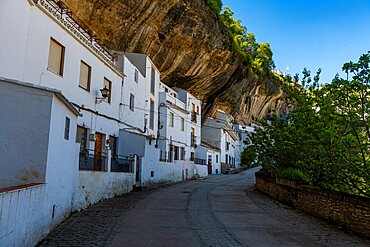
x,y
172,120
182,124
152,82
177,153
81,137
56,57
108,85
151,119
216,158
132,102
192,156
197,109
136,76
182,153
66,128
85,76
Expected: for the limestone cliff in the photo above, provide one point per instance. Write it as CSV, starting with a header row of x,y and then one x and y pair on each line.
x,y
188,44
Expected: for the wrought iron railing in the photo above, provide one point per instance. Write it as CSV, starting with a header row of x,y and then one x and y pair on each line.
x,y
200,161
165,156
122,164
90,162
77,27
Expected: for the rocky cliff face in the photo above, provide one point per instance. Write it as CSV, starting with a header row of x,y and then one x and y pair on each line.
x,y
188,44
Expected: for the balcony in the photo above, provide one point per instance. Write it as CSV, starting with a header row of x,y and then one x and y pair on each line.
x,y
122,164
193,141
91,162
202,162
194,117
166,156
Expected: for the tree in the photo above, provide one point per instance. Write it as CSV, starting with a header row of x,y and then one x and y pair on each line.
x,y
327,134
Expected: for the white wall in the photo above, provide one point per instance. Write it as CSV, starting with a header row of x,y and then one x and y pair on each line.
x,y
13,38
22,221
93,187
28,214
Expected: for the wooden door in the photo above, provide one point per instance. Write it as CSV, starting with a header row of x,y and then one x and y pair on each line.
x,y
97,151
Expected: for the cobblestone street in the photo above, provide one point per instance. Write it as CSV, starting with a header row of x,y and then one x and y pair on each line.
x,y
217,211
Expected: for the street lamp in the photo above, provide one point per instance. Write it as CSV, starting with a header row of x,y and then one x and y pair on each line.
x,y
104,93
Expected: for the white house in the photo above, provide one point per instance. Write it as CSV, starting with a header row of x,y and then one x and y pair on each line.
x,y
60,58
193,122
243,132
211,156
104,105
38,165
219,132
164,146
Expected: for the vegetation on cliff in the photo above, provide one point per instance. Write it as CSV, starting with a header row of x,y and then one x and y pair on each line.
x,y
257,56
325,137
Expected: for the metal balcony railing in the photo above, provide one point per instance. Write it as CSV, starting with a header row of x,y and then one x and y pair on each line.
x,y
91,162
200,161
122,164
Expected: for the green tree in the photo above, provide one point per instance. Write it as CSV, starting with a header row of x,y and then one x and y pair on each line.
x,y
215,5
327,134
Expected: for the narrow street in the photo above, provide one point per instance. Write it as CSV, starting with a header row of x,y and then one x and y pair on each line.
x,y
217,211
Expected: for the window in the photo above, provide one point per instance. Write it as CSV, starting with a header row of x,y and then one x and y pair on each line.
x,y
151,119
192,156
182,153
132,102
136,76
108,85
85,76
172,119
113,145
56,57
81,137
182,124
177,153
192,137
216,158
152,82
226,158
66,128
197,109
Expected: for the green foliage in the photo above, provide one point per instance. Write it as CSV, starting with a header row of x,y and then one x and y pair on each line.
x,y
248,156
257,56
215,5
292,174
327,133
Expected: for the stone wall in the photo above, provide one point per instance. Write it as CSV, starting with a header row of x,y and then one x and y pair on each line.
x,y
349,211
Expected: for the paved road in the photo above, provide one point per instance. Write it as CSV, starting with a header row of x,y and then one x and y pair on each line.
x,y
217,211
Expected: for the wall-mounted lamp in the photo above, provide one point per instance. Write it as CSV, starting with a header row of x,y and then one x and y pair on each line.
x,y
104,93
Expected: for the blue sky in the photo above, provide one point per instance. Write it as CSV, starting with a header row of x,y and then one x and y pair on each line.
x,y
308,33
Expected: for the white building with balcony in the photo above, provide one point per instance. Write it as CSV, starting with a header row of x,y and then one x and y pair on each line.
x,y
49,50
220,133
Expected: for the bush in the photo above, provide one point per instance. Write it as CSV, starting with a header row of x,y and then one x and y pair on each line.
x,y
215,5
248,156
292,174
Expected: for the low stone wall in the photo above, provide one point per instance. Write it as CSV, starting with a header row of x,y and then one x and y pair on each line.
x,y
349,211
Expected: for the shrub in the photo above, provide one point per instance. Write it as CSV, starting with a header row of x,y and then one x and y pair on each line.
x,y
292,174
